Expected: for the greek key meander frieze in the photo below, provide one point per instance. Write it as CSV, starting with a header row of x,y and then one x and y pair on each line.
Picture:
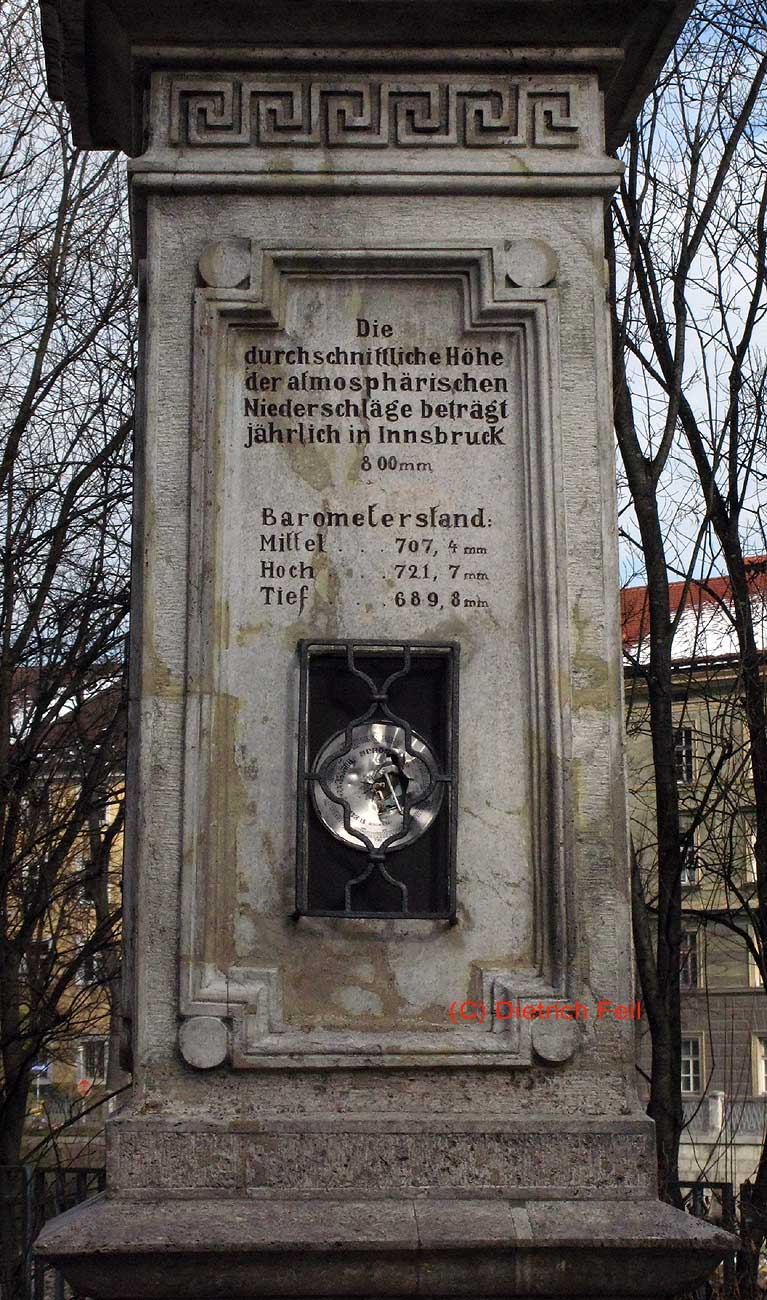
x,y
381,1162
494,112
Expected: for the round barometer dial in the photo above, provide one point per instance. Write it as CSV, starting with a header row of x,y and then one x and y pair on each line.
x,y
382,781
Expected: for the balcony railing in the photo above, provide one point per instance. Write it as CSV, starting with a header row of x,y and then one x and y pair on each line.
x,y
745,1117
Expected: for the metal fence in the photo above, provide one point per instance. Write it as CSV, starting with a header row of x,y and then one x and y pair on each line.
x,y
29,1196
714,1114
704,1199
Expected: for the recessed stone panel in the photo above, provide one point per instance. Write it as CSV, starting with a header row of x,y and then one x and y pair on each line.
x,y
374,436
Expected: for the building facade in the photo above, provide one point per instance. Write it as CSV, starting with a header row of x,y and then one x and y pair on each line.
x,y
59,939
724,1005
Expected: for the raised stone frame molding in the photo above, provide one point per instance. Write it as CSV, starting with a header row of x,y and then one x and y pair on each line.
x,y
249,998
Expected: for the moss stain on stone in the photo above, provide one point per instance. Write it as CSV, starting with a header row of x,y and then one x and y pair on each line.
x,y
250,632
229,799
314,463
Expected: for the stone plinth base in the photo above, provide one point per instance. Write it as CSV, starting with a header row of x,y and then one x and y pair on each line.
x,y
117,1249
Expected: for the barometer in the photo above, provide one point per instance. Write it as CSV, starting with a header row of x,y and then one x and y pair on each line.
x,y
377,779
381,788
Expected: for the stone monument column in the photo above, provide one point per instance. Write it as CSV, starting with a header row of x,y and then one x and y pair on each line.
x,y
378,962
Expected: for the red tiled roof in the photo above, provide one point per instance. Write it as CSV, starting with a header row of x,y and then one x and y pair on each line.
x,y
705,625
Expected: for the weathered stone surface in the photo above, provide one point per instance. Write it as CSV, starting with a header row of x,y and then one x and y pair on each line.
x,y
554,1041
531,263
412,219
226,264
204,1042
380,468
336,1155
397,1248
532,840
626,43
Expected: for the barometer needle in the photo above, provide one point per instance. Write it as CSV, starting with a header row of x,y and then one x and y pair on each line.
x,y
393,791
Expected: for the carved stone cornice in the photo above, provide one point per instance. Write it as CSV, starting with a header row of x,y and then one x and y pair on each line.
x,y
101,67
371,131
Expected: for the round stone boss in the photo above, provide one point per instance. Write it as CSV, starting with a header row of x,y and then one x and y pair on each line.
x,y
203,1042
530,263
554,1041
226,264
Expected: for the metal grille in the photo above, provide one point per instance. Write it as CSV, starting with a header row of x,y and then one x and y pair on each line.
x,y
374,672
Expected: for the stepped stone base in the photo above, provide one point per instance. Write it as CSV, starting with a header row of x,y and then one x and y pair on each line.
x,y
118,1249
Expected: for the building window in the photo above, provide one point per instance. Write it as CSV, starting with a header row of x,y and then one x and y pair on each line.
x,y
93,1059
37,960
689,967
92,969
760,1062
683,756
749,857
691,1065
690,869
101,815
30,876
41,1078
